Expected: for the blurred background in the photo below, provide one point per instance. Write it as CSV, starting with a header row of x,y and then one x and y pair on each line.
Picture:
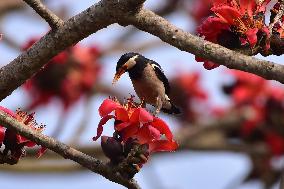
x,y
231,132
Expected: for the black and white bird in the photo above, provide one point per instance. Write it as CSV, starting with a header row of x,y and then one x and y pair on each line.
x,y
148,79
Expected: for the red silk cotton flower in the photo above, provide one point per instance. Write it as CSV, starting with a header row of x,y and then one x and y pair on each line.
x,y
68,76
236,24
188,94
134,122
247,88
200,9
15,143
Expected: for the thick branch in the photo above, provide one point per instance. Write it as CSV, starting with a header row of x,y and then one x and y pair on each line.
x,y
66,151
150,22
107,12
53,20
75,29
24,66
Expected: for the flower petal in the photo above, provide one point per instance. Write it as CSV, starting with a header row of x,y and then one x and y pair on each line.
x,y
107,107
275,143
163,128
30,144
227,13
162,145
41,151
2,134
21,139
209,65
247,6
141,115
251,36
122,125
129,132
211,28
100,126
121,114
266,31
219,2
147,134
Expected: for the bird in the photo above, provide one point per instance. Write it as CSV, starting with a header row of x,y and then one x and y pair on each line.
x,y
149,81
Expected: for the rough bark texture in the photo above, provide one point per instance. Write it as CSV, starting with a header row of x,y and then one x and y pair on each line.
x,y
149,22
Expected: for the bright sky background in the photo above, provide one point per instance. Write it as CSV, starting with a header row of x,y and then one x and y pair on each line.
x,y
175,171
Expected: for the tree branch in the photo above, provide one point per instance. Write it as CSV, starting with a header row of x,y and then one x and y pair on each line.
x,y
107,12
150,22
96,17
67,152
53,20
9,5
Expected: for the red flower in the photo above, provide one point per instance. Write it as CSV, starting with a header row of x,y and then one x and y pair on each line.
x,y
190,83
262,105
200,9
14,142
235,23
134,122
188,94
68,76
275,143
255,116
248,87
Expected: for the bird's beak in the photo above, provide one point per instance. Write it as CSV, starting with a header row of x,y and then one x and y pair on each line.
x,y
118,74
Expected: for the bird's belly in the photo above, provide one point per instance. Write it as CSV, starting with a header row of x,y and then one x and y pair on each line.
x,y
148,91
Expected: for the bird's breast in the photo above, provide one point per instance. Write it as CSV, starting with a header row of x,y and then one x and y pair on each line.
x,y
148,86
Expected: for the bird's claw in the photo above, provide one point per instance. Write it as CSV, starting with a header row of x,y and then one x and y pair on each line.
x,y
156,112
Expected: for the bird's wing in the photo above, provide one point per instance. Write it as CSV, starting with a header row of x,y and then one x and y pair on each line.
x,y
160,74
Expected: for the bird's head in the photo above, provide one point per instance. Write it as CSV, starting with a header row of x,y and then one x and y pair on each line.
x,y
124,64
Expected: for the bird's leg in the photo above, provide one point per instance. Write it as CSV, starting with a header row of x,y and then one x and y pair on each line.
x,y
159,104
143,103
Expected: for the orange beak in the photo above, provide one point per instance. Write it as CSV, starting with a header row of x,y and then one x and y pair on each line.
x,y
118,74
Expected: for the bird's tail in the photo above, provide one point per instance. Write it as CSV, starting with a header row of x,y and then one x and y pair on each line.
x,y
172,110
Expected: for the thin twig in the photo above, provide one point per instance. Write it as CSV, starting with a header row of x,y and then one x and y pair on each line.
x,y
10,5
53,20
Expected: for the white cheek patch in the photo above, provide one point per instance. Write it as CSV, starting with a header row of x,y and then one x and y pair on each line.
x,y
155,66
131,62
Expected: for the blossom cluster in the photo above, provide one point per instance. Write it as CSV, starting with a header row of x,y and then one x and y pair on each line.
x,y
68,76
188,94
236,24
262,105
15,144
137,133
